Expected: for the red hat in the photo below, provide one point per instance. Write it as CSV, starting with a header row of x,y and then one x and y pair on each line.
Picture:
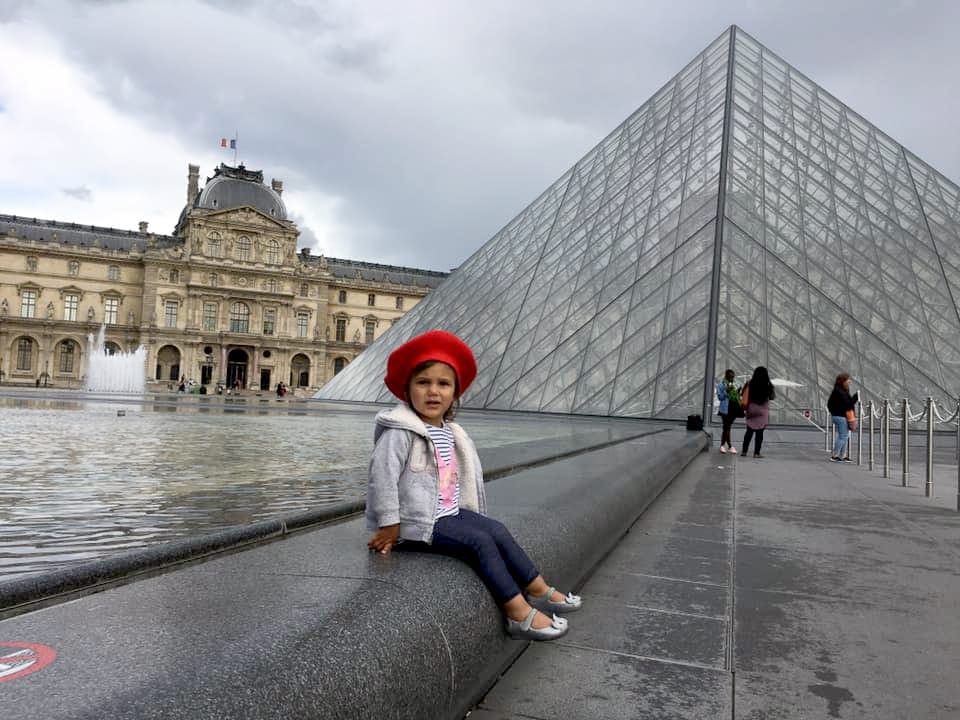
x,y
433,345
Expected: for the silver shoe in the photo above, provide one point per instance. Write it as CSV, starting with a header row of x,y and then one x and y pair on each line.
x,y
525,631
544,604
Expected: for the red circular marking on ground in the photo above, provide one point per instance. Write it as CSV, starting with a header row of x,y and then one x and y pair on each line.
x,y
18,659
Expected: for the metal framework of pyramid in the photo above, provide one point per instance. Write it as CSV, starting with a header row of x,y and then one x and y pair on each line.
x,y
742,216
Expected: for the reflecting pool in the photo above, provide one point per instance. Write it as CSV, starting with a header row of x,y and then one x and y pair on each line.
x,y
82,476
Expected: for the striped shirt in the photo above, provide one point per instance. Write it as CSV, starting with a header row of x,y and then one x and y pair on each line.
x,y
448,492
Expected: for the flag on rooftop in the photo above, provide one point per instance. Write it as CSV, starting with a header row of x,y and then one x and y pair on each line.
x,y
230,143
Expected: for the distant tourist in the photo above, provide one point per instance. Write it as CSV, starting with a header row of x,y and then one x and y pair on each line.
x,y
429,374
729,396
755,396
842,407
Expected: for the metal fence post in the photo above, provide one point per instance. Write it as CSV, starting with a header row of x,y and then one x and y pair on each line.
x,y
928,486
860,434
885,437
870,423
827,432
957,416
905,452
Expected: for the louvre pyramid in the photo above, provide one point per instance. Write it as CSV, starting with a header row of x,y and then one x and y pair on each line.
x,y
742,216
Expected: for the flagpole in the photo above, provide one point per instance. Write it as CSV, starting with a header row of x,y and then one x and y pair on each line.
x,y
236,141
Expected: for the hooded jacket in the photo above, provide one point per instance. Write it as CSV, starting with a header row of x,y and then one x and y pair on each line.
x,y
403,478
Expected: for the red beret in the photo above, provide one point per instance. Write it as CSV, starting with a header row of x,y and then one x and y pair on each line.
x,y
433,345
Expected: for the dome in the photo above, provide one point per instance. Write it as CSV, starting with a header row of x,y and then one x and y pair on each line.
x,y
238,187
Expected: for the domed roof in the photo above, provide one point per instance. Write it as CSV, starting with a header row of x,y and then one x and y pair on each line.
x,y
238,187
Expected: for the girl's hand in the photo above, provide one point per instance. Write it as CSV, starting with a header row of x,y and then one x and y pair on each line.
x,y
384,539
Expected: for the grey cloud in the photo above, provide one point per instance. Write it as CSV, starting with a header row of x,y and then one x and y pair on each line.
x,y
307,238
11,10
438,124
82,193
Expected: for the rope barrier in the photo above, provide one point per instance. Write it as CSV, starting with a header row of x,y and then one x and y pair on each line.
x,y
883,412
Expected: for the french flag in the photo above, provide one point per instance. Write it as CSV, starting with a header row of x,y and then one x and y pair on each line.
x,y
232,144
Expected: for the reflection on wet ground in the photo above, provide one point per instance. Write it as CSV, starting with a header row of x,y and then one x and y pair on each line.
x,y
82,476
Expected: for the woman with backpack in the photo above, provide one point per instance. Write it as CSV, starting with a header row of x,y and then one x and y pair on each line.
x,y
729,410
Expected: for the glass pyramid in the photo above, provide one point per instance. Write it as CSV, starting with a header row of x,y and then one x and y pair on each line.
x,y
742,216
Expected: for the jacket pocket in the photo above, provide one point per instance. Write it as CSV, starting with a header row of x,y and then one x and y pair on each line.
x,y
418,456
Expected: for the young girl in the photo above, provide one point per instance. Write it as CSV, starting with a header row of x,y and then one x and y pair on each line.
x,y
426,486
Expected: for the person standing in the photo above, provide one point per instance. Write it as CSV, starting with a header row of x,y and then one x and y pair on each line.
x,y
841,407
756,395
730,410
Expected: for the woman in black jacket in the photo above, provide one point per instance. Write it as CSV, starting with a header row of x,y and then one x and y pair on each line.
x,y
838,405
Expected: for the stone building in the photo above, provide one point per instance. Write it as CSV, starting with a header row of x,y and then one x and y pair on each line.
x,y
226,298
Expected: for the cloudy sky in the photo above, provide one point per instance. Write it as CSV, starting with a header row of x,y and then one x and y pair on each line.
x,y
405,131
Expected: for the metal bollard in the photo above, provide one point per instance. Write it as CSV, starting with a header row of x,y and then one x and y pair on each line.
x,y
860,434
831,431
885,437
957,416
827,432
928,486
905,452
870,422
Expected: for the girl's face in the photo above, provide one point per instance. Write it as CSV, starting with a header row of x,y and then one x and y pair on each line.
x,y
431,392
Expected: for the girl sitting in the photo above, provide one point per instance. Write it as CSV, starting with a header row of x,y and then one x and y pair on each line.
x,y
426,491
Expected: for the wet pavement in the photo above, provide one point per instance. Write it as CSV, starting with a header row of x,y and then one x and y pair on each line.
x,y
759,589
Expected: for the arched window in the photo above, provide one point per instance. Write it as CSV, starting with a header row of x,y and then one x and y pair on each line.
x,y
213,245
25,354
243,248
67,355
272,252
239,318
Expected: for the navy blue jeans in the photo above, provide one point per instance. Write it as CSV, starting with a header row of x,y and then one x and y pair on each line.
x,y
489,548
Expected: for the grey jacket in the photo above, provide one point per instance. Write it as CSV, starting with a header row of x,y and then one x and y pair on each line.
x,y
404,479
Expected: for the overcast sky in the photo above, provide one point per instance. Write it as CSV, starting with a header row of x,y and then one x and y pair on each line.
x,y
405,132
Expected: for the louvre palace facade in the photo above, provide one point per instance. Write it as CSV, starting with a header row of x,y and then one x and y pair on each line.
x,y
224,299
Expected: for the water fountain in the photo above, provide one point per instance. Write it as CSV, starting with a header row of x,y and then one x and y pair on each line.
x,y
120,372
